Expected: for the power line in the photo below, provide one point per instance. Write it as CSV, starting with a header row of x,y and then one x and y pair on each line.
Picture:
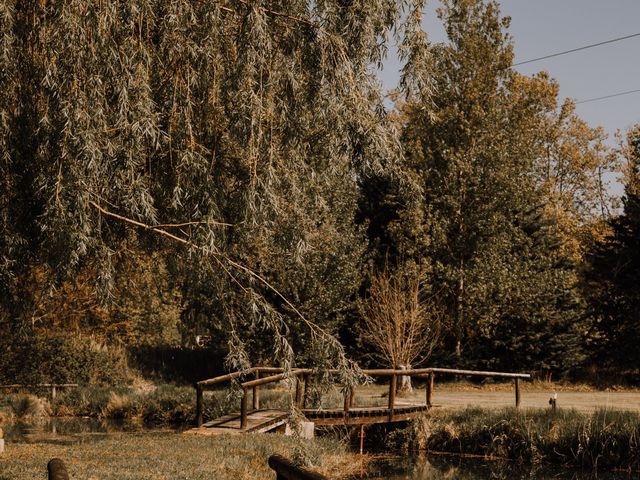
x,y
626,37
588,100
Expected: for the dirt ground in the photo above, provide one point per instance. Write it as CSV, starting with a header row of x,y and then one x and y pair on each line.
x,y
533,395
584,401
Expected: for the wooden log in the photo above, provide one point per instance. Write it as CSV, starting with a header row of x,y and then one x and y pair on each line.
x,y
256,393
474,373
275,378
286,470
57,470
199,406
243,410
517,385
392,395
430,385
225,378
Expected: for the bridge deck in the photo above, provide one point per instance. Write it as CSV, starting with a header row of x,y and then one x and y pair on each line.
x,y
259,421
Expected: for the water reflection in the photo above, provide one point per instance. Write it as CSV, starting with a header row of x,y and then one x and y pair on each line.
x,y
67,430
456,468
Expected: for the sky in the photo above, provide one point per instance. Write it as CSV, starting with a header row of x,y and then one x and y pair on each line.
x,y
543,27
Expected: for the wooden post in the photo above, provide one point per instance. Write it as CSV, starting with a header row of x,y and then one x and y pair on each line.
x,y
299,392
392,396
517,383
352,397
199,406
430,383
304,393
243,410
256,393
347,403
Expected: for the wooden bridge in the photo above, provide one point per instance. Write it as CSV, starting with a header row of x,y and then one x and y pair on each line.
x,y
258,419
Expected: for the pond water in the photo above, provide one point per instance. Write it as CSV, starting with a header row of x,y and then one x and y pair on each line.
x,y
457,468
69,430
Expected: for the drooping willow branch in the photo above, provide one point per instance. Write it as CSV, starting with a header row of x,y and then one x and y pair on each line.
x,y
224,262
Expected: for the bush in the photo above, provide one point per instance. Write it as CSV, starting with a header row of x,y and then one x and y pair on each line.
x,y
60,359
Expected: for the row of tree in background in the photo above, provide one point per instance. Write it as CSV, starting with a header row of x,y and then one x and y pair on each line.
x,y
225,176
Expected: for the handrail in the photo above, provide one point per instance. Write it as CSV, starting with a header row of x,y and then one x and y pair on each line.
x,y
275,378
52,386
40,385
239,373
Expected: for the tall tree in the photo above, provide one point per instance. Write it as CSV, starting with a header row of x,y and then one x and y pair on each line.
x,y
614,273
229,135
492,251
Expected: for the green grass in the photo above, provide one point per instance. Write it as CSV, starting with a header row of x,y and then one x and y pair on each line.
x,y
600,440
174,456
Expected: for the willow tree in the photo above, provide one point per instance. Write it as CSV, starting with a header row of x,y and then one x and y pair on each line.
x,y
229,135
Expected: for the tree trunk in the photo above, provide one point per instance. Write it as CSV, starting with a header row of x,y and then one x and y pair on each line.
x,y
460,313
404,386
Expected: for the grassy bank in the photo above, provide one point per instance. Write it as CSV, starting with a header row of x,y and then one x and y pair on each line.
x,y
153,456
160,405
600,440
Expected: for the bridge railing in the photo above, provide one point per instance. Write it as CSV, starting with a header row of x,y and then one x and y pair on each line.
x,y
276,375
302,376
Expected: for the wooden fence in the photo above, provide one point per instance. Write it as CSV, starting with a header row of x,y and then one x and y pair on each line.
x,y
53,387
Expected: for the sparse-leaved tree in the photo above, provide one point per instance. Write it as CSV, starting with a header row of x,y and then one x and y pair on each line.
x,y
399,320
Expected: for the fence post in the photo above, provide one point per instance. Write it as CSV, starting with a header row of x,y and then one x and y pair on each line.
x,y
430,384
256,393
347,403
304,393
199,406
243,410
392,395
517,384
299,392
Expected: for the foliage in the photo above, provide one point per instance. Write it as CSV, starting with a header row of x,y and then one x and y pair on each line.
x,y
507,288
229,136
400,323
614,273
61,359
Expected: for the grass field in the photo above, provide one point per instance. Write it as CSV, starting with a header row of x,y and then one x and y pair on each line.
x,y
174,456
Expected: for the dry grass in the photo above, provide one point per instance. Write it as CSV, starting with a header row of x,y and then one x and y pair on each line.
x,y
157,456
